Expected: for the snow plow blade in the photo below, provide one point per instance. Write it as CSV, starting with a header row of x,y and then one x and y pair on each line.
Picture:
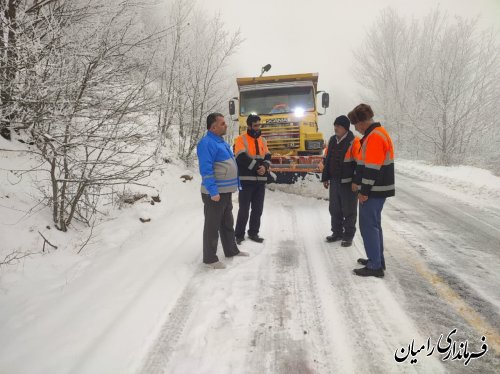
x,y
290,169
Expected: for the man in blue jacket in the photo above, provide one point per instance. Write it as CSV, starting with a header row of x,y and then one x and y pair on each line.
x,y
219,174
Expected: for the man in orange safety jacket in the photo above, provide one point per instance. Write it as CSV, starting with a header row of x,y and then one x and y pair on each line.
x,y
253,159
374,180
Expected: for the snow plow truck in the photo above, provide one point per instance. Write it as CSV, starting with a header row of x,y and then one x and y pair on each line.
x,y
287,105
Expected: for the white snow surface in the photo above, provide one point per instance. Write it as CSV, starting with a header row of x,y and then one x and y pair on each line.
x,y
138,300
460,182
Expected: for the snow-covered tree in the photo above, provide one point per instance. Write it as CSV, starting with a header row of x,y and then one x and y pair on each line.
x,y
192,79
435,81
92,84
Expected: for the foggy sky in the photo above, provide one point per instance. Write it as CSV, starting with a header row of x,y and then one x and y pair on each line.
x,y
299,36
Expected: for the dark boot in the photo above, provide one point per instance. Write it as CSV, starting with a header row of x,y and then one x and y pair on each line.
x,y
333,238
364,262
346,243
239,240
366,272
256,238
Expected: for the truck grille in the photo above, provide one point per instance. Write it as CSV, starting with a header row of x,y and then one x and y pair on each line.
x,y
281,135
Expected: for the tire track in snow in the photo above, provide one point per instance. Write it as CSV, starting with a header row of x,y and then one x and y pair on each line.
x,y
445,239
461,290
466,256
289,329
157,359
429,297
375,322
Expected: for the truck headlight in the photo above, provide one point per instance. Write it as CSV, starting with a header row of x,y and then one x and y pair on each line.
x,y
299,112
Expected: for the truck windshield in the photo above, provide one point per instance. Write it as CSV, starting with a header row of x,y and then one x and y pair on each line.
x,y
277,100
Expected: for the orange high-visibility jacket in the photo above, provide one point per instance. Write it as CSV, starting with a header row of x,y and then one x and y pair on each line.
x,y
375,163
250,154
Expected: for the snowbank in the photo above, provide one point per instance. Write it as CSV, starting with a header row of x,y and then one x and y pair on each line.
x,y
460,182
58,305
310,186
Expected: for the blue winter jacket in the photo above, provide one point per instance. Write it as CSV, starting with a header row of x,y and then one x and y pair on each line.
x,y
218,167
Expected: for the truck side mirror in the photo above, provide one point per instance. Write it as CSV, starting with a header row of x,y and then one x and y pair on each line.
x,y
325,100
232,109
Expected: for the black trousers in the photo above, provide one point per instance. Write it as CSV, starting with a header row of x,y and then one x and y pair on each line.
x,y
218,219
343,209
252,195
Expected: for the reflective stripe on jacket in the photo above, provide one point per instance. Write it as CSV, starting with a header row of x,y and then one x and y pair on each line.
x,y
375,163
218,167
341,166
250,154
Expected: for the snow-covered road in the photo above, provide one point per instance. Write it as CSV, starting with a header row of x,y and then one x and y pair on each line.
x,y
296,307
146,305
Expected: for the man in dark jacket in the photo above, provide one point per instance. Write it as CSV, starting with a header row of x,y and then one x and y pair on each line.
x,y
253,159
338,172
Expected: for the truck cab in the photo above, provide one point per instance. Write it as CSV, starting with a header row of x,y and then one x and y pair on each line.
x,y
287,105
